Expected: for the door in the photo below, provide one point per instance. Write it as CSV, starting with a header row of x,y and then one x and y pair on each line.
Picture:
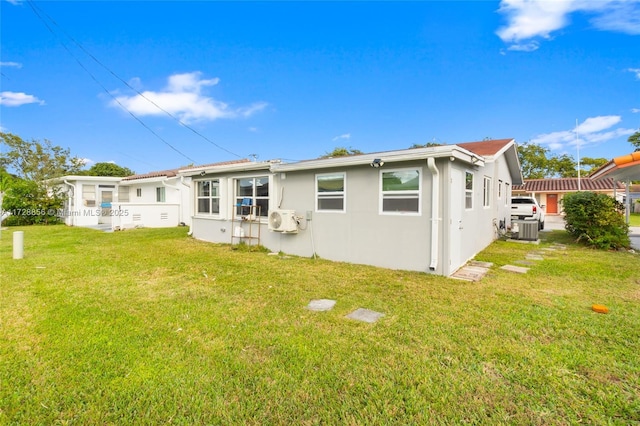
x,y
106,197
454,245
552,204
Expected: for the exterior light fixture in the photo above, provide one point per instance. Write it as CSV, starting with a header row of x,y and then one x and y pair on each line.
x,y
377,163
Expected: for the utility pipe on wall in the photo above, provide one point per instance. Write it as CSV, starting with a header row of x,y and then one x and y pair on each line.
x,y
435,207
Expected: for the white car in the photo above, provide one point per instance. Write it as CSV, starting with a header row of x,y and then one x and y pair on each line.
x,y
527,208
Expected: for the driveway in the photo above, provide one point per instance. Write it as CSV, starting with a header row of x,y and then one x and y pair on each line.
x,y
557,222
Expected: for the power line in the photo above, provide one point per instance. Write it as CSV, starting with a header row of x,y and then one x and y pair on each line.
x,y
39,13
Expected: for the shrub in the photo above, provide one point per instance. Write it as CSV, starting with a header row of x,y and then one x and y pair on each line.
x,y
596,219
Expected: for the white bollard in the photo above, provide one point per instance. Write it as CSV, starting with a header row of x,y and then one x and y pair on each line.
x,y
18,244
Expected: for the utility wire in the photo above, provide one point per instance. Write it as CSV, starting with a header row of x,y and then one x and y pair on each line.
x,y
40,13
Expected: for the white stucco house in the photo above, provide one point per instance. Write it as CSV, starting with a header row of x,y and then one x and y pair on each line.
x,y
424,209
155,200
89,199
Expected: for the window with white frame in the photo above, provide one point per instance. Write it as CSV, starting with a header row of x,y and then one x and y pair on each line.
x,y
468,190
330,192
499,189
208,196
253,191
507,193
123,194
138,192
89,195
486,192
160,194
400,191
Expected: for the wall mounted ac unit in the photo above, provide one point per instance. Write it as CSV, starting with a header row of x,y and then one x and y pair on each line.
x,y
283,221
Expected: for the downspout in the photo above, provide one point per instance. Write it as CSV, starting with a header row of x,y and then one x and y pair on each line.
x,y
73,218
435,207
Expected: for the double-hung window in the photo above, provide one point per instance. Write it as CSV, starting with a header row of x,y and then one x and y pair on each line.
x,y
161,194
208,196
330,192
401,189
253,191
486,193
468,190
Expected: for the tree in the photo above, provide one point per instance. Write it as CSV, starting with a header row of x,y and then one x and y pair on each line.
x,y
108,169
587,164
342,152
562,166
634,140
37,161
426,145
533,161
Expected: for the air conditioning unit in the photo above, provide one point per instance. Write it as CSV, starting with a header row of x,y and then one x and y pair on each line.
x,y
283,221
527,230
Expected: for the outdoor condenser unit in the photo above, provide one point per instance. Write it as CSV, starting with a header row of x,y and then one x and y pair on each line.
x,y
527,230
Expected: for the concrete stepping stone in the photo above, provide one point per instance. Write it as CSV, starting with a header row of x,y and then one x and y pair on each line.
x,y
534,257
516,269
365,315
470,273
480,264
321,305
525,262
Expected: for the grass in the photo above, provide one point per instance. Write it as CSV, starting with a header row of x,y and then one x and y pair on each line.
x,y
153,327
634,219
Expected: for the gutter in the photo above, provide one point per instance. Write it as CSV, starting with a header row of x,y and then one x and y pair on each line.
x,y
435,197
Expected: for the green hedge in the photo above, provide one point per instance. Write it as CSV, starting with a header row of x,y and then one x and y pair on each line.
x,y
596,219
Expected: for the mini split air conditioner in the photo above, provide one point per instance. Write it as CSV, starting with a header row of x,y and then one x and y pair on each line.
x,y
283,221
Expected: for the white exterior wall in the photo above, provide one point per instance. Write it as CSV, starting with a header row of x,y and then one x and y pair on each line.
x,y
76,211
146,211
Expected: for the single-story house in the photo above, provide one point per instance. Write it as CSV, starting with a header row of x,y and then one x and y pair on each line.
x,y
88,199
549,192
424,209
155,200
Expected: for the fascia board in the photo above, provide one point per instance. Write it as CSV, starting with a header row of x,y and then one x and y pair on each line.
x,y
226,168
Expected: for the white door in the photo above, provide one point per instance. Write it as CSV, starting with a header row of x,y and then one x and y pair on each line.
x,y
456,196
106,197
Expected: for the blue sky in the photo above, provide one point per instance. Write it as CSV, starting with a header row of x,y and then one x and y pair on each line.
x,y
153,85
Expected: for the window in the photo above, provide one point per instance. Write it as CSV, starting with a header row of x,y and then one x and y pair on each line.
x,y
138,192
400,191
499,189
208,196
507,195
253,191
89,195
486,193
123,194
468,190
160,194
330,192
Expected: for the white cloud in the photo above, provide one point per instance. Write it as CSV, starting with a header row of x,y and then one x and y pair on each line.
x,y
11,64
590,131
635,110
346,136
183,98
636,71
15,2
12,99
526,47
529,19
86,161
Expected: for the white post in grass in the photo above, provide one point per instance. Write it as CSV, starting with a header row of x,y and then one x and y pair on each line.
x,y
18,244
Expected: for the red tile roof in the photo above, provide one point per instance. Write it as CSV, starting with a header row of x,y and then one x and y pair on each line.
x,y
174,172
488,147
567,185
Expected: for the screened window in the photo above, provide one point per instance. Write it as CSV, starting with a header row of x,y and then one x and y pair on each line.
x,y
253,191
486,192
89,195
507,194
208,196
401,191
330,192
138,192
499,189
468,190
160,194
123,194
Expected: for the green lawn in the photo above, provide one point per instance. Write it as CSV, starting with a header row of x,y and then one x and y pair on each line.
x,y
634,219
153,327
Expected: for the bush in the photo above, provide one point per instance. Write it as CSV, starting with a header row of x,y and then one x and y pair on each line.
x,y
596,219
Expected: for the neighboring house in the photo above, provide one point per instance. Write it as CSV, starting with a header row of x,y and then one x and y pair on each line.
x,y
549,192
154,200
424,209
89,199
625,168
